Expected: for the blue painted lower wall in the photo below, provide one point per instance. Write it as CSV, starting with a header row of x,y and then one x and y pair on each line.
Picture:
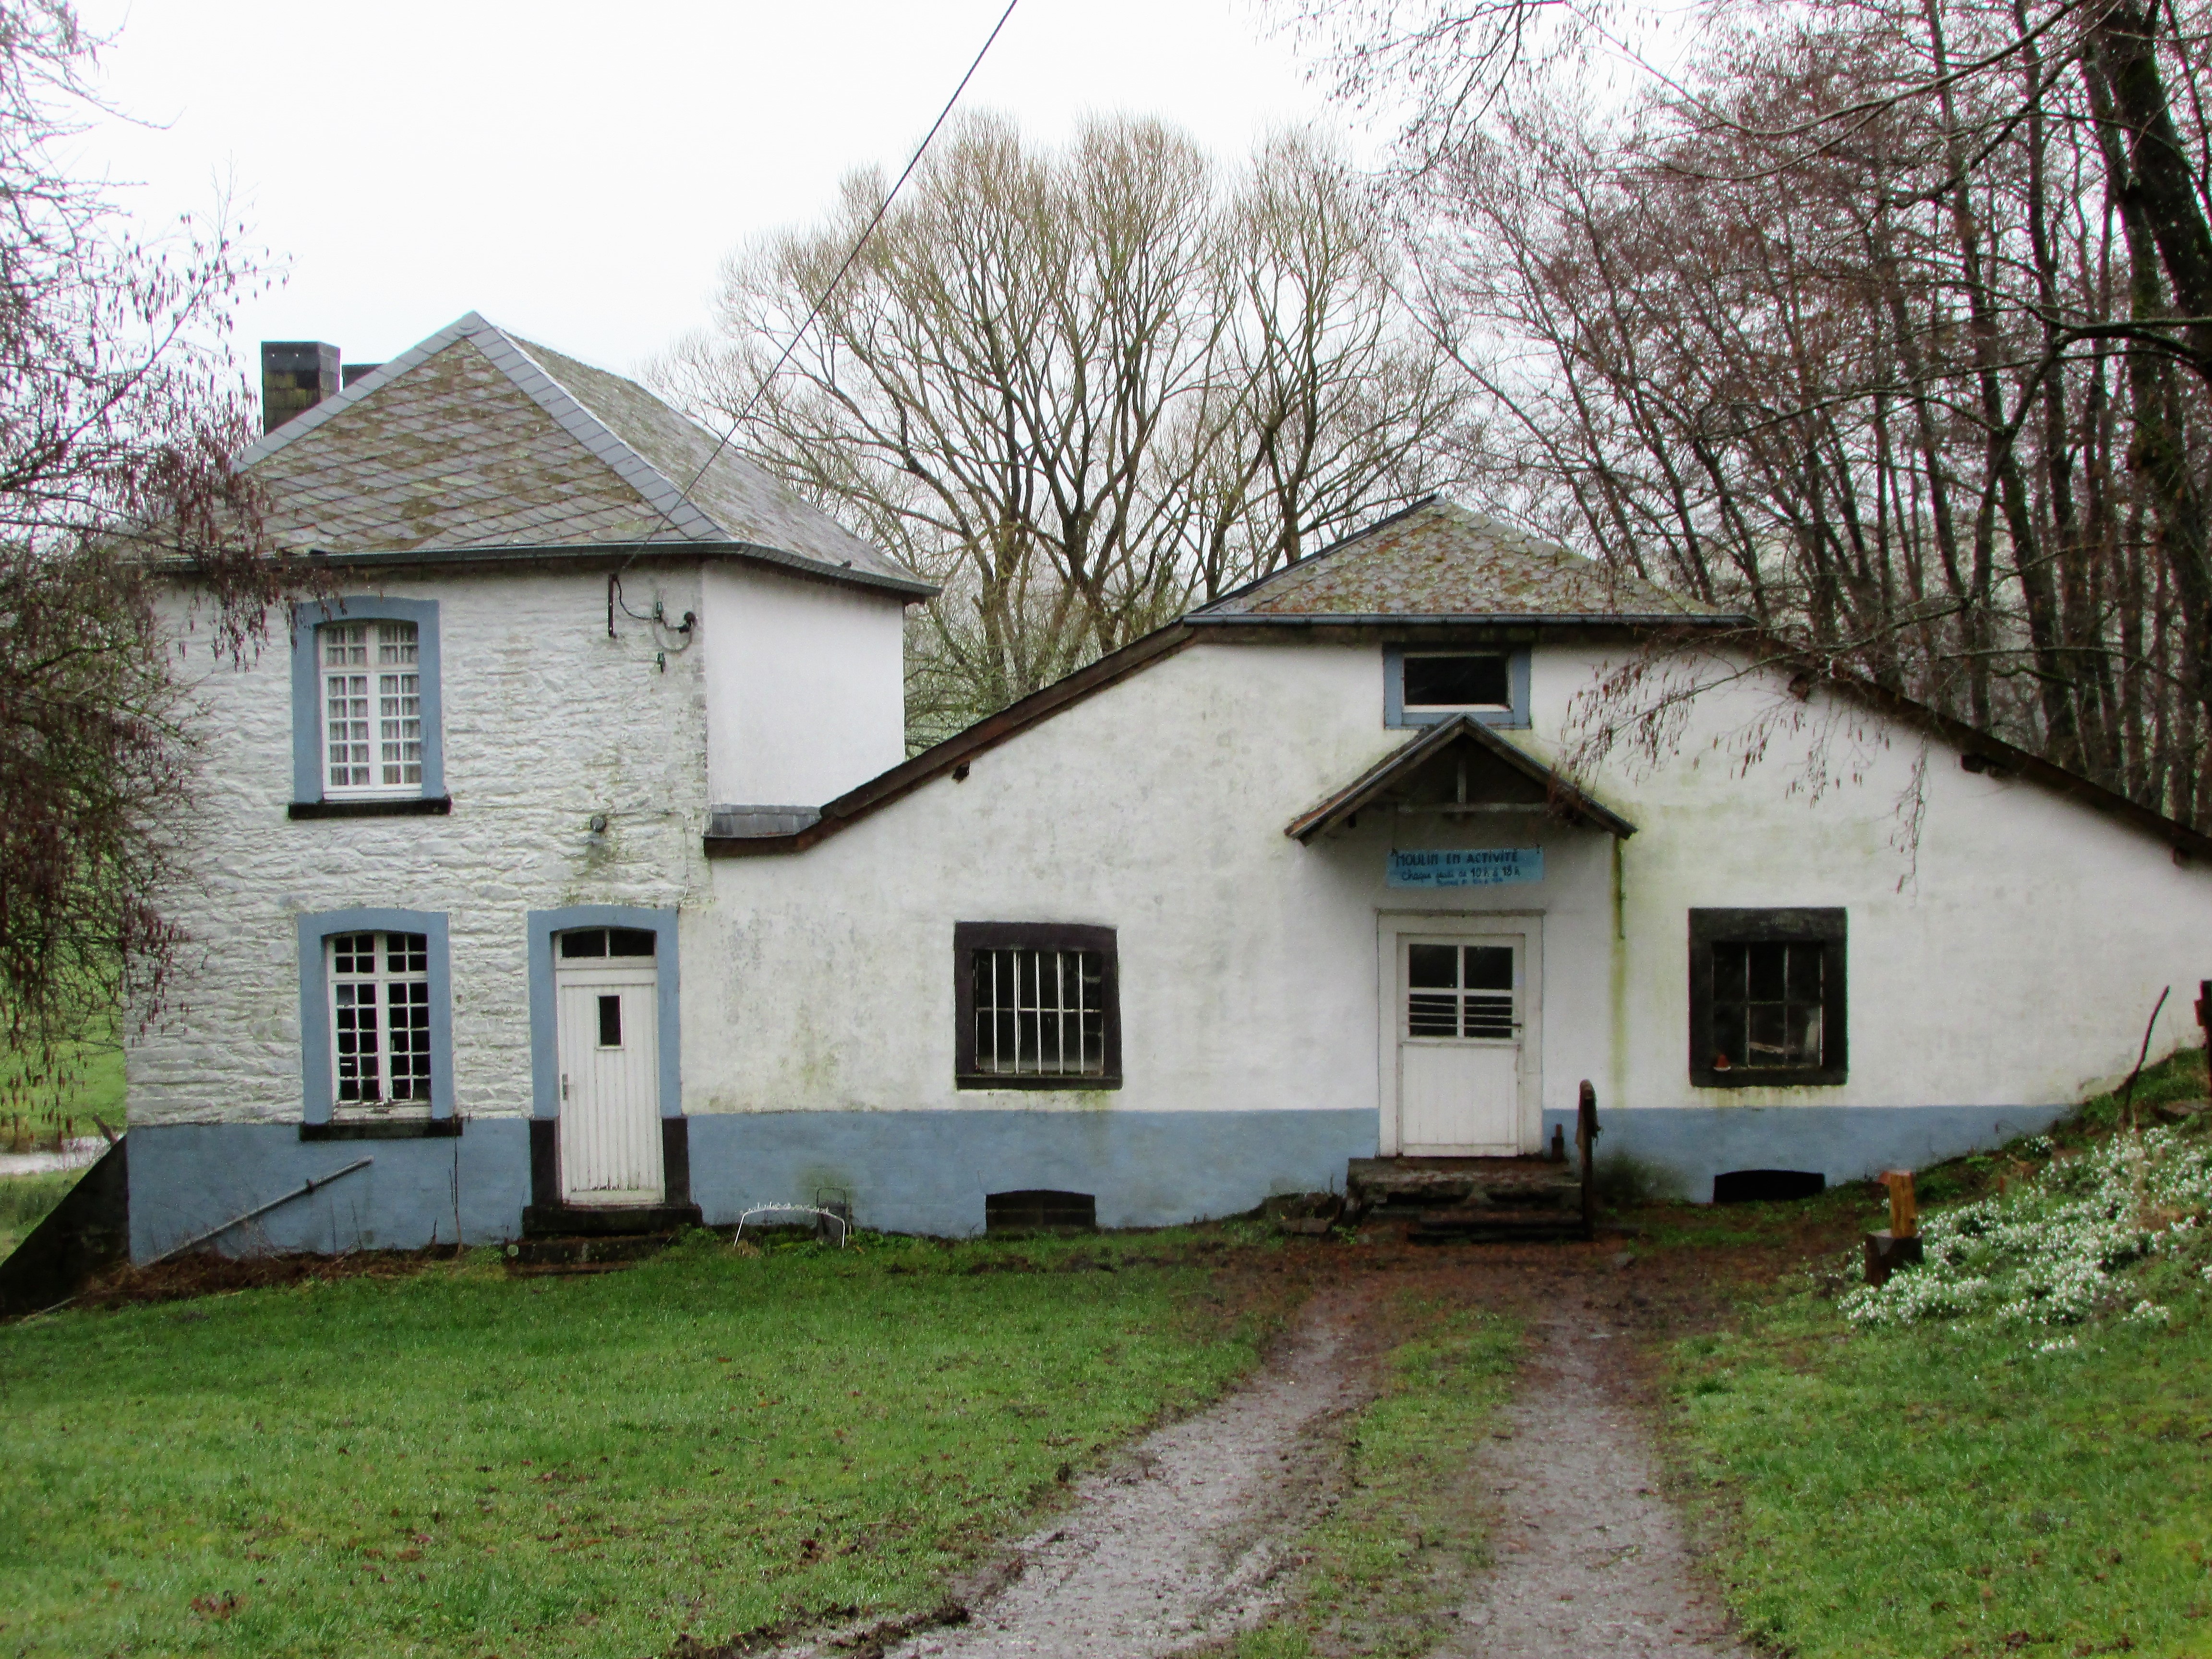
x,y
187,1177
1684,1149
928,1172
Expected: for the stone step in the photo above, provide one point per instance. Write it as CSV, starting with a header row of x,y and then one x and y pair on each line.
x,y
1471,1225
588,1254
590,1221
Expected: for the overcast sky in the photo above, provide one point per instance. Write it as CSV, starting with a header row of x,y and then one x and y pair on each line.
x,y
576,172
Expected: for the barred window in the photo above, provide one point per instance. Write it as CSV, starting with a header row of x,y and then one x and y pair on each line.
x,y
1038,1012
372,707
1037,1006
381,1017
1766,997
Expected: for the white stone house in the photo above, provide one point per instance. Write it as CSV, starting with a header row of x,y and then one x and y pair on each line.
x,y
570,868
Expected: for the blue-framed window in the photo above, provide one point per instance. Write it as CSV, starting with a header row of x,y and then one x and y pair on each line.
x,y
1428,684
376,1016
544,927
368,707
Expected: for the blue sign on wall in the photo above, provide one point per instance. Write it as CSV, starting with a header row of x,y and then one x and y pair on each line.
x,y
1467,866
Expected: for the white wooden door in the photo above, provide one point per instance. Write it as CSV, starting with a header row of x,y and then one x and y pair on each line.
x,y
609,1051
1460,1013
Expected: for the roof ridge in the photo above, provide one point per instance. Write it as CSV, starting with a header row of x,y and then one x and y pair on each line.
x,y
1431,498
1436,560
382,375
569,411
655,488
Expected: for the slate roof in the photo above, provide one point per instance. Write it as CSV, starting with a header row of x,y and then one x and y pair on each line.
x,y
479,444
1435,562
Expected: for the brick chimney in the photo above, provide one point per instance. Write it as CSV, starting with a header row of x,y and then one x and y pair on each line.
x,y
296,376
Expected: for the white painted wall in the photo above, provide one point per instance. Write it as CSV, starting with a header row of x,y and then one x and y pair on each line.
x,y
2014,964
547,722
805,683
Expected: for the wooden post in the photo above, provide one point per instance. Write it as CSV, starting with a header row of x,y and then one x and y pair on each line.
x,y
2204,1015
1897,1245
1586,1133
1904,1214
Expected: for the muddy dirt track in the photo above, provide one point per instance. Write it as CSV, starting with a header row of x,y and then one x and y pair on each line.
x,y
1184,1541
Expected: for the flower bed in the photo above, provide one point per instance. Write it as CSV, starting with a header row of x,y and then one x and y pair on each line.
x,y
2062,1245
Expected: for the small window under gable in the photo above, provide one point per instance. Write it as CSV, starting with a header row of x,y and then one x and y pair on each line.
x,y
1426,685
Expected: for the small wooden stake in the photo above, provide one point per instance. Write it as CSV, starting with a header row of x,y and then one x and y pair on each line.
x,y
1904,1214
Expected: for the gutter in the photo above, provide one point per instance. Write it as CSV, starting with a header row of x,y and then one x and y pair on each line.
x,y
911,588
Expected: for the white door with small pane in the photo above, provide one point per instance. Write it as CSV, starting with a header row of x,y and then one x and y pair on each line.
x,y
606,990
1460,1074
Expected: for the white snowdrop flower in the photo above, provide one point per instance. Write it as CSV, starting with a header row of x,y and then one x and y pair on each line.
x,y
2048,1252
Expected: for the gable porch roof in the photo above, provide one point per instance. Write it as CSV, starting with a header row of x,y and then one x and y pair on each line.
x,y
1541,790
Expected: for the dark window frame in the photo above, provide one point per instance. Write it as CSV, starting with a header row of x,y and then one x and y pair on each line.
x,y
969,936
1512,715
1824,926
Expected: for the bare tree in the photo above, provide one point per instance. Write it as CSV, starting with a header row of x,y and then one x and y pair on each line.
x,y
118,422
1885,318
1080,388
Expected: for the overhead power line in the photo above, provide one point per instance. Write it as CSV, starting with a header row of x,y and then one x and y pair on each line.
x,y
830,287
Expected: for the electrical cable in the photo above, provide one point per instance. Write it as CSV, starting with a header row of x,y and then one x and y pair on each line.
x,y
828,288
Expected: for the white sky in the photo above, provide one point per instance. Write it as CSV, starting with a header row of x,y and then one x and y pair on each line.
x,y
576,171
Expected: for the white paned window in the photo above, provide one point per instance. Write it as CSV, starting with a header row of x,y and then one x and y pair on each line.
x,y
1463,991
372,709
381,1017
1039,1013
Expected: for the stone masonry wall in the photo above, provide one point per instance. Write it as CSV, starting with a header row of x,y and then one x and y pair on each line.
x,y
547,722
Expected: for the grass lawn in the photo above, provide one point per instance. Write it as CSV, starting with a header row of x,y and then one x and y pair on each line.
x,y
1399,1546
1942,1488
1920,1493
24,1201
462,1463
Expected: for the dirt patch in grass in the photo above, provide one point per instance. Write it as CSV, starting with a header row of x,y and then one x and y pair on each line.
x,y
1409,1558
205,1273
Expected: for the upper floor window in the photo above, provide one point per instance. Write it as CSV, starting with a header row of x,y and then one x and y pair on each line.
x,y
1038,1007
372,709
1425,686
366,708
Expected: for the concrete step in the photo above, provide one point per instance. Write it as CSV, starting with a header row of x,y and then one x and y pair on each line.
x,y
1446,1200
586,1254
590,1221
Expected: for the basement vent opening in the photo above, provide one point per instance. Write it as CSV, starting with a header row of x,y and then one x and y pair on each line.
x,y
1767,1185
1039,1211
